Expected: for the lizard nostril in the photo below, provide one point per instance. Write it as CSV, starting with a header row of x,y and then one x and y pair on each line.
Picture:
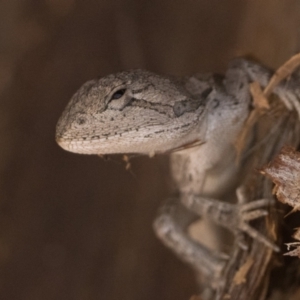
x,y
81,121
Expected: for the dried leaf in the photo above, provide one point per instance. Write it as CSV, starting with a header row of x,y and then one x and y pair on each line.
x,y
284,171
240,275
261,105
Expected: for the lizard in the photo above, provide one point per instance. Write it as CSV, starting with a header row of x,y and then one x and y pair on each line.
x,y
196,120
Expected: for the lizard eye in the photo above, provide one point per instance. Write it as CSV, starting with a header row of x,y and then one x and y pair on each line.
x,y
119,100
118,94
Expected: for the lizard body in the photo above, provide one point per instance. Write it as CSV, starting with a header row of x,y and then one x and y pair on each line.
x,y
141,112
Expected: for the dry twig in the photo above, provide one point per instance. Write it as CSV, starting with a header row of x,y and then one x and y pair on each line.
x,y
267,130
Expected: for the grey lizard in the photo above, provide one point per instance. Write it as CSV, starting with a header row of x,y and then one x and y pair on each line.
x,y
196,120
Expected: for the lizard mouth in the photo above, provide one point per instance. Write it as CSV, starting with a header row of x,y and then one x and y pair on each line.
x,y
78,146
99,146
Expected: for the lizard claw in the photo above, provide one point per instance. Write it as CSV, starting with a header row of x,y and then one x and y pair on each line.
x,y
235,217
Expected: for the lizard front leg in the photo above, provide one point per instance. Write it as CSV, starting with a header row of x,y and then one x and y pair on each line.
x,y
171,225
175,216
235,217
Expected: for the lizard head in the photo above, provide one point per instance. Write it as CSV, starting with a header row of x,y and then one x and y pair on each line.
x,y
129,112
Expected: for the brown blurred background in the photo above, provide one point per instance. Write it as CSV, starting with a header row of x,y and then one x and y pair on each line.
x,y
79,227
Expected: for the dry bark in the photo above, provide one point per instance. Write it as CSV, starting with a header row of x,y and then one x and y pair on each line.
x,y
248,274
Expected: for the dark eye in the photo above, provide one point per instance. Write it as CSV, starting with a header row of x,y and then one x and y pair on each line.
x,y
118,94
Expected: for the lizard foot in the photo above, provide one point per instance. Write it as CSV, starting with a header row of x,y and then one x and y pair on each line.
x,y
250,211
235,217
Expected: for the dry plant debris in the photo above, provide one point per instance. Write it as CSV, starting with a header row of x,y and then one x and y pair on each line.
x,y
260,98
241,274
275,122
261,105
282,73
295,252
284,171
126,159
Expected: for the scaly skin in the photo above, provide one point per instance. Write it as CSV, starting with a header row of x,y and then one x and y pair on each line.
x,y
140,112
